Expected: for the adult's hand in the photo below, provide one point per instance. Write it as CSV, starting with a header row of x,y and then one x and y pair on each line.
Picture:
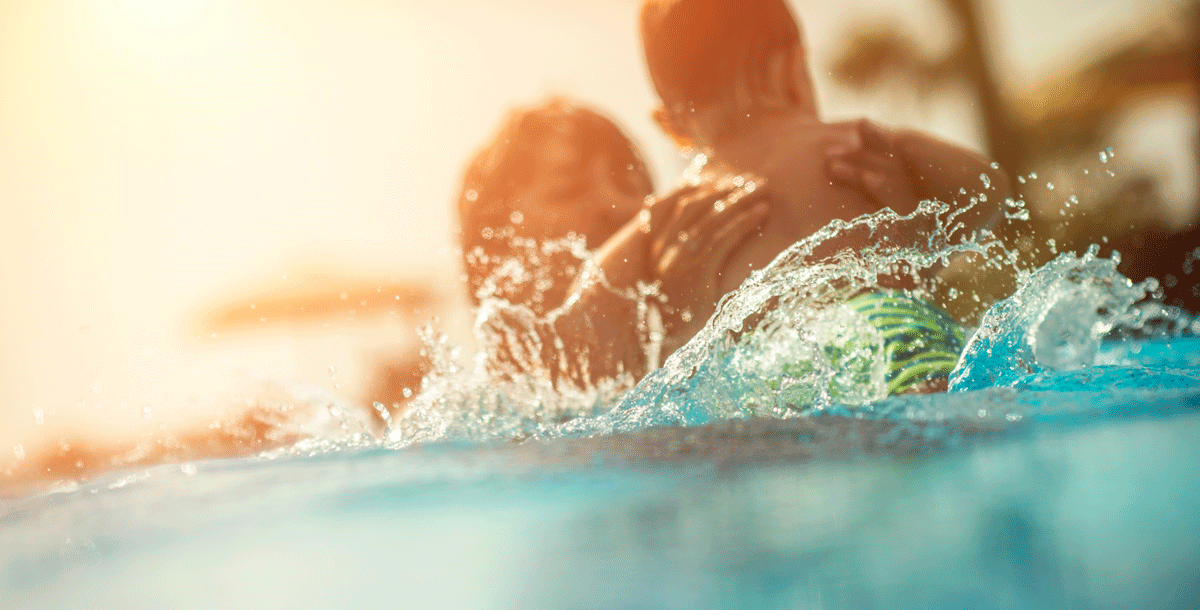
x,y
689,251
872,163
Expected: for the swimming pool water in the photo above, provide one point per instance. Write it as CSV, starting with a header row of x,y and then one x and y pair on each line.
x,y
1059,472
1088,500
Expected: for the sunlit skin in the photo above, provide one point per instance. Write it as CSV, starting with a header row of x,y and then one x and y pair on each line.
x,y
769,126
766,126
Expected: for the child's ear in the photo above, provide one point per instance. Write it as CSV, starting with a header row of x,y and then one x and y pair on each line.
x,y
667,123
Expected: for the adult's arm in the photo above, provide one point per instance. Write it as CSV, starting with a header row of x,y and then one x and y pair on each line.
x,y
954,175
899,169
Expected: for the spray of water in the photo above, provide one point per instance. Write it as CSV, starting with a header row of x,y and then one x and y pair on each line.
x,y
783,345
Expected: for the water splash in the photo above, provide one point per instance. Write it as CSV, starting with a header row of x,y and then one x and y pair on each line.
x,y
1054,322
783,345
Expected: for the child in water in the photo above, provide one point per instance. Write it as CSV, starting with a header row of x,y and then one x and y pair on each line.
x,y
733,80
734,86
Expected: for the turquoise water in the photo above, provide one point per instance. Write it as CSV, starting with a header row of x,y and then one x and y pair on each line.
x,y
1093,505
1059,471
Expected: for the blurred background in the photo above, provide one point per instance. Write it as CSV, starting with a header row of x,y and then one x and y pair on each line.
x,y
204,199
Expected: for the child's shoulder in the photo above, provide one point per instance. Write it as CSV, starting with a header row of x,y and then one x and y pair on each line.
x,y
806,134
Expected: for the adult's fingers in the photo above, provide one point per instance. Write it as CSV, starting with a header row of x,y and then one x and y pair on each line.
x,y
885,181
708,228
875,174
662,208
665,262
874,137
686,212
693,207
714,238
849,164
704,227
736,232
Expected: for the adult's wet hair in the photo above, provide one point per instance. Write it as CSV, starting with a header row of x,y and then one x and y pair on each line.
x,y
699,52
508,165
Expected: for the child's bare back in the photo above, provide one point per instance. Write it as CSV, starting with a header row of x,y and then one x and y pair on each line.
x,y
804,198
734,84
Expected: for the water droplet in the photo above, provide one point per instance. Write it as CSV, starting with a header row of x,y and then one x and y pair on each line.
x,y
987,182
39,416
1103,157
1050,186
1111,154
19,451
516,217
1033,175
995,165
188,469
1021,179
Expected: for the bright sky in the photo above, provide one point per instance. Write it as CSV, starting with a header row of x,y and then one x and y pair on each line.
x,y
157,154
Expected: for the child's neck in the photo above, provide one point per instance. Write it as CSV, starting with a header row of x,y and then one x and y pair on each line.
x,y
750,147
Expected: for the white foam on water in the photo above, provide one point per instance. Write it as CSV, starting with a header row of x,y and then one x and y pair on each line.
x,y
744,362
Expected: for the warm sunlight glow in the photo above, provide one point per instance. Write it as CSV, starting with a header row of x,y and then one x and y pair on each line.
x,y
163,14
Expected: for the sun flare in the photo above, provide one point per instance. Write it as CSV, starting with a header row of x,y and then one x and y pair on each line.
x,y
163,14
